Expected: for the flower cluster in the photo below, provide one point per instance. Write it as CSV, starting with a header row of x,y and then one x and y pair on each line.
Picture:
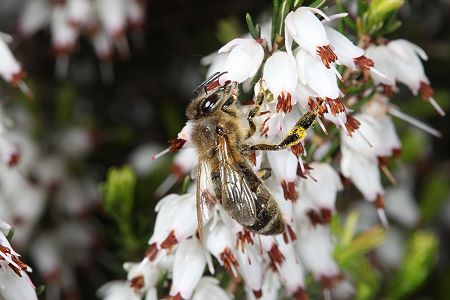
x,y
104,22
313,69
15,282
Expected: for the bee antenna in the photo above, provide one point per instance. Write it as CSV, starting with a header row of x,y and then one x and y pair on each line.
x,y
205,83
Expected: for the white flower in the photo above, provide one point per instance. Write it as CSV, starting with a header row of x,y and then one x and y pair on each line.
x,y
188,268
284,167
290,270
243,61
141,159
345,50
176,220
79,12
220,243
316,76
315,248
13,287
280,74
321,188
64,36
35,16
306,29
117,290
384,64
208,288
401,206
10,68
142,277
112,15
251,269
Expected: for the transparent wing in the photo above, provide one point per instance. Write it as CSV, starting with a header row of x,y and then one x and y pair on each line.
x,y
238,198
205,196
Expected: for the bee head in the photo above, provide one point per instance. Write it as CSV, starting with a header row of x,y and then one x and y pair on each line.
x,y
213,98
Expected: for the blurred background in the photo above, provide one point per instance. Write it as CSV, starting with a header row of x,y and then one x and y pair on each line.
x,y
93,111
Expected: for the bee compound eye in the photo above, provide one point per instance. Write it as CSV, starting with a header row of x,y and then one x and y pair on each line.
x,y
209,103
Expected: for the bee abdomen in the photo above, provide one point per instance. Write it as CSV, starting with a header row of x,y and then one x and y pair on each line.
x,y
269,219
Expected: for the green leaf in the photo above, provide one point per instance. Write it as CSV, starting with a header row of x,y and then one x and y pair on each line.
x,y
283,12
434,194
275,8
40,290
420,256
118,192
297,3
251,26
10,234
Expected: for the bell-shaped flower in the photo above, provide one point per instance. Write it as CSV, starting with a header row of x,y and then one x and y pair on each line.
x,y
251,269
219,242
117,290
409,70
10,69
112,15
306,29
243,61
280,75
402,207
384,63
284,167
315,248
270,290
142,277
79,12
34,16
322,188
316,76
291,270
345,50
176,220
209,288
188,267
64,36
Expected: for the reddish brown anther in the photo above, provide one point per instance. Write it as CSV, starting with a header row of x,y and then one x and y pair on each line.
x,y
300,294
314,217
276,257
176,144
336,106
284,102
289,190
176,297
364,63
137,283
17,78
152,251
14,159
329,282
289,234
243,237
352,124
300,171
388,90
326,215
379,202
258,294
425,90
170,241
327,55
230,262
298,149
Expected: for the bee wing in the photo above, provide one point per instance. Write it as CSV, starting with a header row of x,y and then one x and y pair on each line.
x,y
238,198
204,184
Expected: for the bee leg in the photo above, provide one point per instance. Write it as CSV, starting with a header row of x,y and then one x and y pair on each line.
x,y
295,135
254,111
264,173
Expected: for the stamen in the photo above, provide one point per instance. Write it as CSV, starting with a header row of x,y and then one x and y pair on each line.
x,y
319,121
379,205
327,55
122,46
364,63
343,125
415,122
25,89
388,174
436,106
166,185
364,138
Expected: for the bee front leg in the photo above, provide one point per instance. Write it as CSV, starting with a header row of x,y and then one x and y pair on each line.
x,y
295,135
254,111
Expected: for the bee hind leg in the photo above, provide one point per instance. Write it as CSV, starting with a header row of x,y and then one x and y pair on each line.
x,y
295,135
264,173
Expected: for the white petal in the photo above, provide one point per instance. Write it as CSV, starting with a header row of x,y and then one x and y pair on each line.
x,y
280,73
345,50
188,268
283,164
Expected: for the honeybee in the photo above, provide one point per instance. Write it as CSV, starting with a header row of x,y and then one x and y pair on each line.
x,y
219,138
